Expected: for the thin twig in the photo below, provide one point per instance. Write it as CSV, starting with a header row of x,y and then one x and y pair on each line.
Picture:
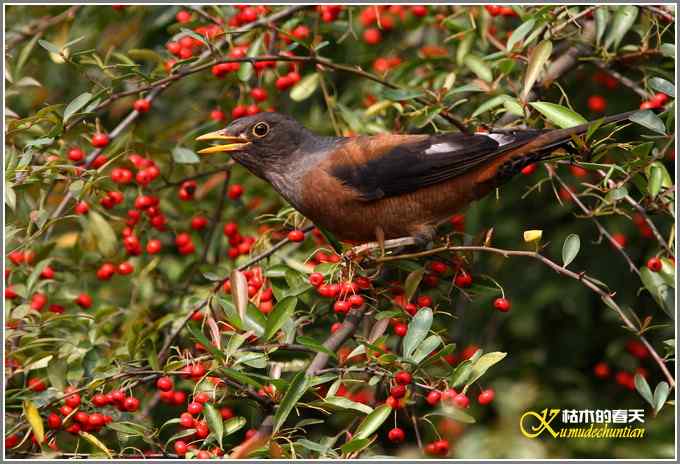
x,y
41,25
580,277
600,228
623,80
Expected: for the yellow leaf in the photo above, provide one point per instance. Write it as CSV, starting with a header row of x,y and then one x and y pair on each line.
x,y
532,235
33,417
95,441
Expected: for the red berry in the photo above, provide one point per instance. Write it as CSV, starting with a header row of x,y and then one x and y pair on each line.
x,y
283,82
82,208
601,370
131,403
398,391
529,169
396,435
183,16
659,99
654,264
461,400
372,36
419,10
296,235
259,94
441,447
226,413
217,115
36,384
96,420
76,154
403,378
38,301
73,400
356,300
100,140
164,383
141,105
424,301
400,329
197,371
179,397
153,246
433,397
202,397
194,408
181,447
597,103
301,32
199,222
336,326
486,396
100,400
53,421
235,191
125,268
239,111
47,273
502,304
316,279
393,402
186,420
463,279
341,307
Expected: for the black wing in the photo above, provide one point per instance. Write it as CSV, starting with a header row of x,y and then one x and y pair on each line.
x,y
409,167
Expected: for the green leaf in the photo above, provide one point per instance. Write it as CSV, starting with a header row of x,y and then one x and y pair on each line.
x,y
660,396
103,234
49,46
662,293
311,343
667,50
130,428
624,18
519,33
305,88
663,86
240,377
412,282
537,59
649,120
455,414
372,422
601,22
233,425
461,373
655,179
490,104
184,155
346,403
239,292
571,247
417,331
198,334
76,105
402,94
282,312
214,419
56,372
558,114
482,364
477,66
425,348
354,445
296,389
643,388
616,194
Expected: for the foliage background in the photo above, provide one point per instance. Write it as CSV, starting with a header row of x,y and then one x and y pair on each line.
x,y
557,330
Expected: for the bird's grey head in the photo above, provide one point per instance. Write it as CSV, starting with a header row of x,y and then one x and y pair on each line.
x,y
263,143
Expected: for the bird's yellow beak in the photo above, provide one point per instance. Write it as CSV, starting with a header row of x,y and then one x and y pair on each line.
x,y
233,143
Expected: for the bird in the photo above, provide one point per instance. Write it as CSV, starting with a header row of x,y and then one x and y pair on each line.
x,y
390,189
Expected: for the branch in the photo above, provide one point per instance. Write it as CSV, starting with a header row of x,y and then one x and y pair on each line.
x,y
580,277
601,229
41,25
623,80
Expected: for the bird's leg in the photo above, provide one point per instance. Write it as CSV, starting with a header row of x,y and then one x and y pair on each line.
x,y
366,248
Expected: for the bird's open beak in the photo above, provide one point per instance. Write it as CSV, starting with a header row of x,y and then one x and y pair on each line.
x,y
233,143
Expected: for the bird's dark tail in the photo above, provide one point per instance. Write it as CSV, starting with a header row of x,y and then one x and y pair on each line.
x,y
557,137
542,146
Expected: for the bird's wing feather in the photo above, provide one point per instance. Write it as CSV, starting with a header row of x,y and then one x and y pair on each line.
x,y
414,165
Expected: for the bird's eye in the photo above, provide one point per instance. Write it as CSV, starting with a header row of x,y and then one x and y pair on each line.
x,y
260,129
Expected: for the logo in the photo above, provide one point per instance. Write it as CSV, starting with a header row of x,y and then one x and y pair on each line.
x,y
584,423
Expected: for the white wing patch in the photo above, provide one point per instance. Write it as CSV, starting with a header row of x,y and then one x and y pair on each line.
x,y
441,148
502,139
